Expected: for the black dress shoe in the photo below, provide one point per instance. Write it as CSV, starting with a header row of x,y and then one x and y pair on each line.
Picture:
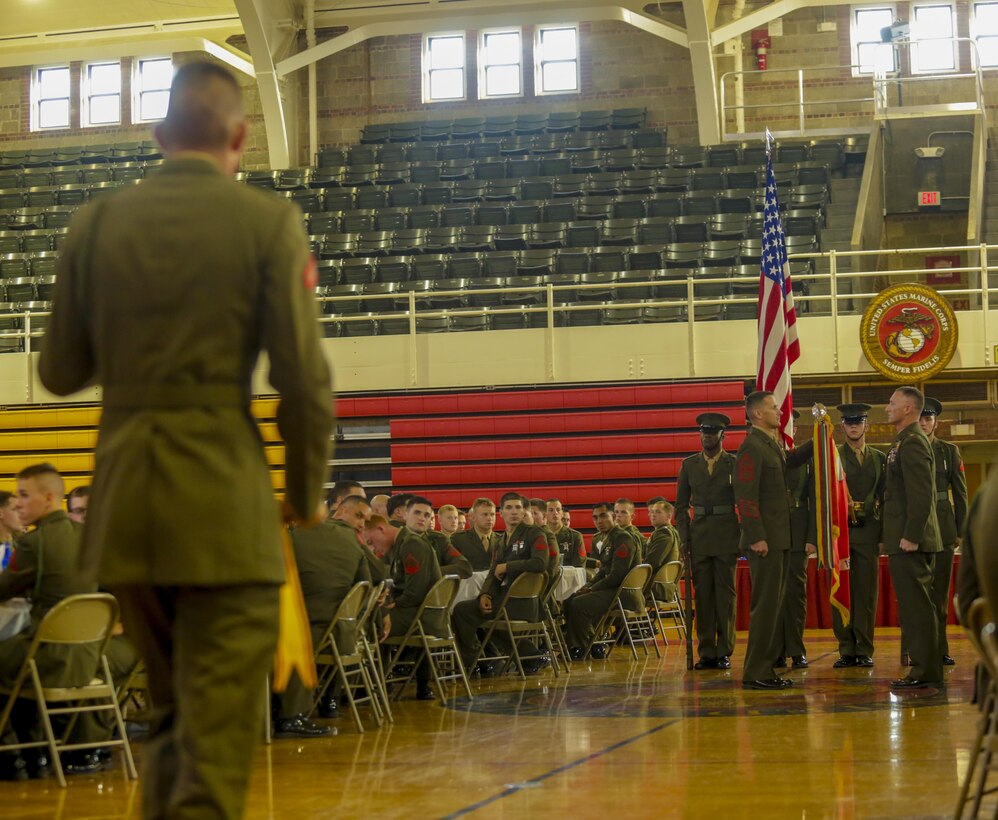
x,y
800,661
37,762
724,662
844,661
914,683
424,691
706,663
328,707
490,669
81,762
865,661
767,684
599,651
576,653
780,663
299,726
948,661
534,665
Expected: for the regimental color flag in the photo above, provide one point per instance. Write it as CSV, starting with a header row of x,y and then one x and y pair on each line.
x,y
778,345
831,498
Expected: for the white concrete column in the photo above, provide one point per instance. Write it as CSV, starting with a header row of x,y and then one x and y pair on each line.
x,y
704,74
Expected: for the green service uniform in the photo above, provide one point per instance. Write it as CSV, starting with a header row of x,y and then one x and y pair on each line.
x,y
866,478
764,507
44,568
525,549
167,292
477,547
803,531
414,569
451,561
952,515
636,534
571,546
663,547
706,520
330,562
910,512
584,609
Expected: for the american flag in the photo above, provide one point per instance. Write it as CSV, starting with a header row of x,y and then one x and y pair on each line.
x,y
778,345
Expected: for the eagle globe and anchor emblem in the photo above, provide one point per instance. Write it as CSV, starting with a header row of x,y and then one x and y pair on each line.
x,y
909,332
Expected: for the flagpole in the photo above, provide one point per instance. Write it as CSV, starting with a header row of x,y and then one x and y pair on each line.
x,y
688,596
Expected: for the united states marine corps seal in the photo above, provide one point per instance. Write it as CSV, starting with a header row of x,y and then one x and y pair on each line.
x,y
908,332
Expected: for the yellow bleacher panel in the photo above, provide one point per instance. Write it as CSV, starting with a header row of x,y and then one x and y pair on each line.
x,y
38,441
54,418
63,462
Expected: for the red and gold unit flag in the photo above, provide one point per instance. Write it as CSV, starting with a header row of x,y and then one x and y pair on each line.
x,y
831,497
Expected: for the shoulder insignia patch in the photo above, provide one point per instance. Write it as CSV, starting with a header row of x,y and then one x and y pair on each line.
x,y
746,468
748,508
622,552
310,276
411,564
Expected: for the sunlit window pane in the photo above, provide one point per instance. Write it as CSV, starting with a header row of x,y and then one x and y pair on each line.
x,y
560,77
500,80
559,44
987,49
153,105
53,82
105,109
53,114
502,49
446,52
105,78
156,74
447,84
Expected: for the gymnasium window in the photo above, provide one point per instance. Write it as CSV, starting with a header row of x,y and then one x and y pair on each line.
x,y
932,27
151,86
869,53
443,67
500,60
102,93
557,60
50,98
985,28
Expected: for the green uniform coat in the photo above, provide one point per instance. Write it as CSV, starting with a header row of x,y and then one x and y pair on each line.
x,y
469,544
451,561
571,546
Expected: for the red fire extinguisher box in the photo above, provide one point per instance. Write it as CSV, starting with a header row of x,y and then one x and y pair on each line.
x,y
761,44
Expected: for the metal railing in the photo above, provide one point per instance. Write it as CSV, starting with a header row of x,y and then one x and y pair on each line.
x,y
804,86
832,293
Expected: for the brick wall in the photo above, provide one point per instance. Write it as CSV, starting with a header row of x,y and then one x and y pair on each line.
x,y
380,80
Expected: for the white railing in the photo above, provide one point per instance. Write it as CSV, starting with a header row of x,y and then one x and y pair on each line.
x,y
833,293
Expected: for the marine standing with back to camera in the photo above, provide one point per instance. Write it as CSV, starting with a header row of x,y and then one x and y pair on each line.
x,y
166,294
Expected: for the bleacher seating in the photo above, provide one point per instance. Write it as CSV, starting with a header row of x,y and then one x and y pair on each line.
x,y
460,213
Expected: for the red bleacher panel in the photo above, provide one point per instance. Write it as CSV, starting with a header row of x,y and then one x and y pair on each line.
x,y
547,423
538,472
505,401
540,448
571,495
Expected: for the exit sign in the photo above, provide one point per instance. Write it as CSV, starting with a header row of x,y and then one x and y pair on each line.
x,y
928,198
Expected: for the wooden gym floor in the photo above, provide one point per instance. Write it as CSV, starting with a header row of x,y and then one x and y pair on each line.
x,y
615,739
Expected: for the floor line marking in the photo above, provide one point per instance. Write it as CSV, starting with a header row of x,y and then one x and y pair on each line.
x,y
536,781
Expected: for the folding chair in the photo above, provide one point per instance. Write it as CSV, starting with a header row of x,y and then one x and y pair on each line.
x,y
666,604
80,621
629,622
554,618
982,636
440,651
369,640
349,667
527,586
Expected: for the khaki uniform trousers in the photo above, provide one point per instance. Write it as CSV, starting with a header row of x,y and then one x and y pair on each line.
x,y
208,651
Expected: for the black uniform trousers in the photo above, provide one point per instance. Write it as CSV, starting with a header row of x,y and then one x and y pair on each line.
x,y
941,581
864,586
793,615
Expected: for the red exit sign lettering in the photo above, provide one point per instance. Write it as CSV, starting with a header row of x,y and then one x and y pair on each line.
x,y
926,198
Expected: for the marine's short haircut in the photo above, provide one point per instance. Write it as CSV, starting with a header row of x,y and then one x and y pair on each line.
x,y
340,490
83,491
914,394
603,505
511,497
5,497
667,506
418,499
539,504
396,501
754,400
482,502
44,473
352,500
376,521
658,499
446,508
205,100
624,501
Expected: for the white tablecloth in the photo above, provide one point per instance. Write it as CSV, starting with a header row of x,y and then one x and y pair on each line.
x,y
15,615
573,579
